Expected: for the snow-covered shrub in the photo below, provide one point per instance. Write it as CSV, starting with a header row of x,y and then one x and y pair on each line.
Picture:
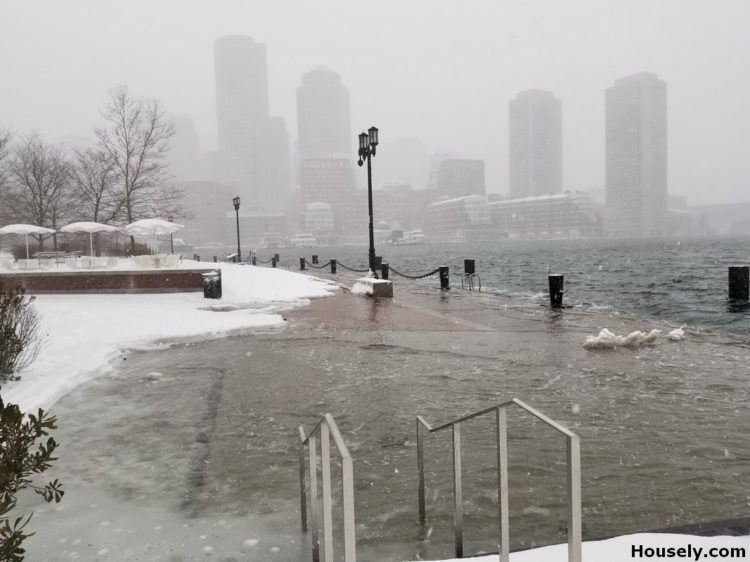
x,y
19,332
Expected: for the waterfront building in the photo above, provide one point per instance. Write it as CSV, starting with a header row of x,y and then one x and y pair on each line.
x,y
636,156
326,180
318,219
323,115
535,118
459,219
562,215
460,177
241,107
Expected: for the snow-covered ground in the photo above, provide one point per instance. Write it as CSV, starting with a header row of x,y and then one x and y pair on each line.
x,y
83,334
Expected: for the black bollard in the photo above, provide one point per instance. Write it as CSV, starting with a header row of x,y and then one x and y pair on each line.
x,y
384,271
445,283
739,282
277,258
333,266
273,261
315,259
469,267
556,290
253,260
216,259
302,264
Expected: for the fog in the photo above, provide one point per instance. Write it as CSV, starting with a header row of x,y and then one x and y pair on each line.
x,y
441,71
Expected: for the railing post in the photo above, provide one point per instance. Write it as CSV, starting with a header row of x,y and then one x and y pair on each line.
x,y
302,264
302,488
333,266
445,283
574,499
325,467
458,513
420,473
350,544
314,501
502,484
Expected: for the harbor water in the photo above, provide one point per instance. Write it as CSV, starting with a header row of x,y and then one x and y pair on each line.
x,y
191,451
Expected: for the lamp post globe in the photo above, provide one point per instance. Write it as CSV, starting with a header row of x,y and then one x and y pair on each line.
x,y
236,203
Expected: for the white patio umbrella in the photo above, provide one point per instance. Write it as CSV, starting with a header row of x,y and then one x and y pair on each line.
x,y
89,227
152,227
25,229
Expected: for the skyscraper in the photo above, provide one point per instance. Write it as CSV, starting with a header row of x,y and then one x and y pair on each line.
x,y
636,155
535,144
241,107
273,168
323,115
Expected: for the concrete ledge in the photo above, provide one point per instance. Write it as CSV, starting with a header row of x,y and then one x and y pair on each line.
x,y
373,287
146,281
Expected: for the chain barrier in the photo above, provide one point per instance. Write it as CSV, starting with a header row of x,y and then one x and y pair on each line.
x,y
318,266
433,272
352,269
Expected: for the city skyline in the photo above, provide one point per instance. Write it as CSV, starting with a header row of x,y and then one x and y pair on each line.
x,y
451,95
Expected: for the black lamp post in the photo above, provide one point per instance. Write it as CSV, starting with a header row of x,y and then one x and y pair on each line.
x,y
236,203
367,145
171,239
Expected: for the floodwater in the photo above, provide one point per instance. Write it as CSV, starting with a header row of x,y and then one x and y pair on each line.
x,y
190,453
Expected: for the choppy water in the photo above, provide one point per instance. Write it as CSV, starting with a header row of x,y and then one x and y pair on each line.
x,y
192,452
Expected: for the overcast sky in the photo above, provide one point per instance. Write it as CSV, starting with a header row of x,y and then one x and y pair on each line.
x,y
439,70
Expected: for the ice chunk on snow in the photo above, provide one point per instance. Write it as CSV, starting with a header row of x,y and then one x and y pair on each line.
x,y
361,289
607,339
250,542
678,334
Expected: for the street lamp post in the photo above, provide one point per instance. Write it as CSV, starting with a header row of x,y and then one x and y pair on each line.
x,y
367,145
171,239
236,203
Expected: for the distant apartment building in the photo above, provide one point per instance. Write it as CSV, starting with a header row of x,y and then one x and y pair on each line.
x,y
401,206
562,215
535,165
636,156
460,177
326,180
323,115
459,219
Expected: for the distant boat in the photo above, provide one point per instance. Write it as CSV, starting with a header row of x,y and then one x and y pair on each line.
x,y
407,238
303,240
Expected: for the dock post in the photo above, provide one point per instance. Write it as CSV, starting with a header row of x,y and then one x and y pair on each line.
x,y
302,264
384,271
469,267
556,290
333,266
315,259
445,283
739,282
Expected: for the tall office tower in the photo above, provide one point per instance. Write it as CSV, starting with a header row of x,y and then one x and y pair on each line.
x,y
535,144
241,107
273,168
636,155
459,177
186,163
323,115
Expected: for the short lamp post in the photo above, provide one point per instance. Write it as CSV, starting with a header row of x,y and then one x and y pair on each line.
x,y
171,239
236,203
367,144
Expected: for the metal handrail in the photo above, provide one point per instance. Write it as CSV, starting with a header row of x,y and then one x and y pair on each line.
x,y
467,281
326,427
574,476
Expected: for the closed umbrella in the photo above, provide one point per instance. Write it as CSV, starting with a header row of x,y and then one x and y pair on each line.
x,y
25,229
89,227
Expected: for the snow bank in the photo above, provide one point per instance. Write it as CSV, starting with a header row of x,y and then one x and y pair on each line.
x,y
361,289
621,549
84,333
608,340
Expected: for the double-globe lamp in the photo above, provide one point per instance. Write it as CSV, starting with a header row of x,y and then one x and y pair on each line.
x,y
367,145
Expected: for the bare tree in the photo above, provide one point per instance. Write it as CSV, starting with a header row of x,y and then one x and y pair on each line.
x,y
40,176
5,137
137,141
95,181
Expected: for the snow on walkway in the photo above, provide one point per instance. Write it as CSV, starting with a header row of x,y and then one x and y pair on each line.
x,y
84,333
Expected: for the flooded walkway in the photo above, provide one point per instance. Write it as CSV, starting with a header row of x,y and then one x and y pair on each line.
x,y
191,453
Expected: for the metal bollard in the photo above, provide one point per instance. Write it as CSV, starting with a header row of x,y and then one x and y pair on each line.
x,y
253,260
302,264
444,279
315,259
216,259
278,259
333,266
273,261
556,290
739,282
384,271
378,262
469,267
